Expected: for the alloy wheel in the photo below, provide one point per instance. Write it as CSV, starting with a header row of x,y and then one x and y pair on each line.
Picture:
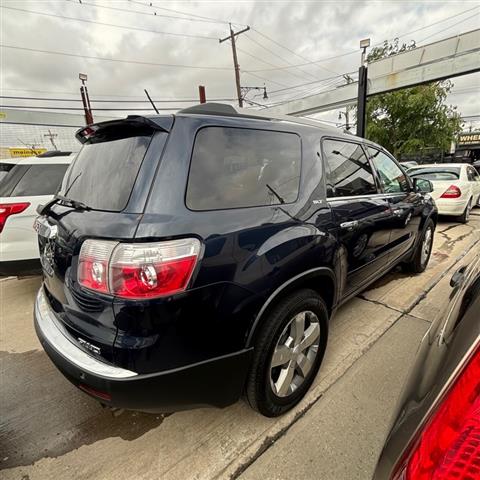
x,y
426,245
295,353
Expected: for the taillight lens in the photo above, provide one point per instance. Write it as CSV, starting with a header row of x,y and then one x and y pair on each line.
x,y
7,209
451,192
138,271
93,264
448,447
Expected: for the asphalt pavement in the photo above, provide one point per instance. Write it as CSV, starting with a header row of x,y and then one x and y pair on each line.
x,y
49,429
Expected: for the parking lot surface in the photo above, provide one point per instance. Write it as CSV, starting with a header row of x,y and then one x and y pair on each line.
x,y
49,429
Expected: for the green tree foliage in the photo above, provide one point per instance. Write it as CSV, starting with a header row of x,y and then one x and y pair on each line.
x,y
412,119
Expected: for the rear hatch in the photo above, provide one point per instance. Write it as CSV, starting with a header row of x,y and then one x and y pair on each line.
x,y
107,186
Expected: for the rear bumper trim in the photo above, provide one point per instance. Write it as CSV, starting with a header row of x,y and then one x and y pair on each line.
x,y
53,332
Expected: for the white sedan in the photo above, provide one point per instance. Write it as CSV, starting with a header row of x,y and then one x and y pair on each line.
x,y
456,187
25,184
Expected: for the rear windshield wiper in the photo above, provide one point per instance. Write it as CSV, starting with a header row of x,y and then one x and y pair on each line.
x,y
67,201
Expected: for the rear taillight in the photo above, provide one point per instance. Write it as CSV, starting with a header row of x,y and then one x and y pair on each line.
x,y
451,192
140,270
448,446
7,209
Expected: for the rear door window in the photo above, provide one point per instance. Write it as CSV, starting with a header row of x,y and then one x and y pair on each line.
x,y
103,174
234,167
348,170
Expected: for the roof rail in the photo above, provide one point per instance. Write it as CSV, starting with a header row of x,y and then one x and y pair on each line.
x,y
227,110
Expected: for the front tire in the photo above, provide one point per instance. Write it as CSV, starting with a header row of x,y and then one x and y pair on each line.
x,y
288,352
420,259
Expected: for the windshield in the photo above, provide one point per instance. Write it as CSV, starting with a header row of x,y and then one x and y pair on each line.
x,y
103,174
439,173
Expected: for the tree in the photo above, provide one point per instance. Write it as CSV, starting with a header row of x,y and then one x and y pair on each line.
x,y
412,119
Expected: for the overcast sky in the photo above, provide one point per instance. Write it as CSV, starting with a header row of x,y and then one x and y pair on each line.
x,y
282,34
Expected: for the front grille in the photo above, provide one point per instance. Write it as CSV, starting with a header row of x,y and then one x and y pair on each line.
x,y
85,302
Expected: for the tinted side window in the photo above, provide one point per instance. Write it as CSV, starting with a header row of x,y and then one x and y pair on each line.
x,y
471,174
348,170
392,178
234,167
40,180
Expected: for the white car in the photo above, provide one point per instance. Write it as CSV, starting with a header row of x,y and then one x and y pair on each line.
x,y
24,184
456,187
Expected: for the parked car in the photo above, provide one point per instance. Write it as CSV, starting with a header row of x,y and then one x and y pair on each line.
x,y
436,433
195,257
24,184
409,164
456,187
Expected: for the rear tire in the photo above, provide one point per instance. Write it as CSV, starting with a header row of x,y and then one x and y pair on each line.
x,y
288,352
465,217
420,259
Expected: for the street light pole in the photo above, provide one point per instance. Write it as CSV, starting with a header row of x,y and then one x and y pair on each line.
x,y
362,91
85,99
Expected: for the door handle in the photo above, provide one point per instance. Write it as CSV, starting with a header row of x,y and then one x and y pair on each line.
x,y
349,225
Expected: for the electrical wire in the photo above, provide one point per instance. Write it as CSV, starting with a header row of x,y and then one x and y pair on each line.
x,y
292,51
203,37
182,13
29,107
125,10
320,60
189,100
119,60
447,28
276,55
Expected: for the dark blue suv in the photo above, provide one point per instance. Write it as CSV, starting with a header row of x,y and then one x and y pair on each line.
x,y
192,258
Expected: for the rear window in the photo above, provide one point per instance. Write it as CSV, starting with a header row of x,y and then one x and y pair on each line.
x,y
31,180
40,180
234,167
4,169
452,173
103,174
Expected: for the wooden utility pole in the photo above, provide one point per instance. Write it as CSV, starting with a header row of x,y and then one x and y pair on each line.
x,y
231,37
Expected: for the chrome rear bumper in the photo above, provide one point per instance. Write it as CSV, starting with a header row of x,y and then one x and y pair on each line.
x,y
50,330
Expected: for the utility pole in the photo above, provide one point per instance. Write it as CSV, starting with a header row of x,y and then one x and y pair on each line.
x,y
231,37
85,99
51,136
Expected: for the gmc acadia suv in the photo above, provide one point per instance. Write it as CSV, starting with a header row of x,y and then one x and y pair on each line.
x,y
192,258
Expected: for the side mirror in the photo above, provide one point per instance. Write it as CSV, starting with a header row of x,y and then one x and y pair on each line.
x,y
422,185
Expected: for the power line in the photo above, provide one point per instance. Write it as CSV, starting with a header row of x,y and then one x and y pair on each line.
x,y
177,100
119,60
216,20
30,107
448,28
376,44
265,79
125,10
204,37
291,51
266,62
276,55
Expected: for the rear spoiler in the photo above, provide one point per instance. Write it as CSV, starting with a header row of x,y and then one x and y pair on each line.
x,y
88,134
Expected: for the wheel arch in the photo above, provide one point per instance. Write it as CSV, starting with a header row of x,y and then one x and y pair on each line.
x,y
321,279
